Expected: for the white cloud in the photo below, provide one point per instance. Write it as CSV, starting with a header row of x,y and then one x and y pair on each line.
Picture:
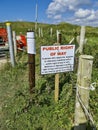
x,y
55,7
71,7
63,5
92,15
57,17
88,15
83,12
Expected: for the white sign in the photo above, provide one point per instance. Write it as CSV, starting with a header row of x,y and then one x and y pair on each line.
x,y
31,43
55,59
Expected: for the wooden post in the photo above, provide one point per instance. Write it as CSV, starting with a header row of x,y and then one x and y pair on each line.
x,y
56,87
39,32
31,59
51,32
36,17
83,87
57,75
15,43
31,62
82,38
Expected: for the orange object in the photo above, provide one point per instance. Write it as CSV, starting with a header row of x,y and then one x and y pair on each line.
x,y
3,36
21,41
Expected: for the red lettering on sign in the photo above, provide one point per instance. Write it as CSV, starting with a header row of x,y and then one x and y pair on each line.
x,y
50,48
52,53
66,47
61,53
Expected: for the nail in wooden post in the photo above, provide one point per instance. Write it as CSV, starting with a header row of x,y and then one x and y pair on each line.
x,y
31,59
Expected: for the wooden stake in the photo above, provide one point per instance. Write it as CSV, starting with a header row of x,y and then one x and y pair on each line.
x,y
83,87
31,61
51,32
56,87
82,38
36,17
39,32
57,75
15,43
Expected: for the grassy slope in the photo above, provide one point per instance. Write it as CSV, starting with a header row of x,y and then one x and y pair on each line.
x,y
41,112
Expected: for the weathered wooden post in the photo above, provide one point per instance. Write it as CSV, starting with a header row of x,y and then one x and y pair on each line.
x,y
15,43
11,45
82,39
31,59
57,75
39,32
82,92
36,18
51,32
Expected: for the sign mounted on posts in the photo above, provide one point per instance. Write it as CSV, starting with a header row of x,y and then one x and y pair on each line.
x,y
56,59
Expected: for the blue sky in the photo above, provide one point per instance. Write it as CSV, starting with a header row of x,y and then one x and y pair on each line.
x,y
81,12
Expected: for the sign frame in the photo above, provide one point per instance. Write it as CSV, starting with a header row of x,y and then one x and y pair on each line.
x,y
55,58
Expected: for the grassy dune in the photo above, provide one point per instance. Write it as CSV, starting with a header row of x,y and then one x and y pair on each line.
x,y
21,111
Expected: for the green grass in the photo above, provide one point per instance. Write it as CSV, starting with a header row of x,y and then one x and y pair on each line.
x,y
19,110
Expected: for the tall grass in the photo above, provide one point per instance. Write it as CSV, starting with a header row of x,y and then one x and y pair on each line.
x,y
22,111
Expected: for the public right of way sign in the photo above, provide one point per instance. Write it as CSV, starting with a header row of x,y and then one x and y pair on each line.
x,y
56,59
